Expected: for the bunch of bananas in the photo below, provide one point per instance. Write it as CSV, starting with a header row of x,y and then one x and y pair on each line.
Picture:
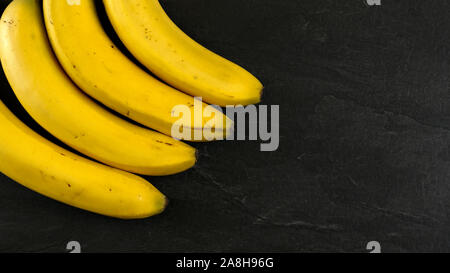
x,y
58,60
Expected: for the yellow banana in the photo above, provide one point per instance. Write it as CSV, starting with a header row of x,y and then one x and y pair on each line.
x,y
53,100
162,47
94,63
48,169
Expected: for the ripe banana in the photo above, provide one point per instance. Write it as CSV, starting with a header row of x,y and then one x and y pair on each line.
x,y
61,108
162,47
95,64
48,169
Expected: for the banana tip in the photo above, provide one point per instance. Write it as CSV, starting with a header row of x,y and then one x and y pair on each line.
x,y
164,205
196,155
166,202
261,93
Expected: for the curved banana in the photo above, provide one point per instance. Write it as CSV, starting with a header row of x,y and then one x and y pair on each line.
x,y
162,47
53,101
94,63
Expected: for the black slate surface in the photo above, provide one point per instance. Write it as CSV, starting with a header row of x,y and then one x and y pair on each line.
x,y
365,140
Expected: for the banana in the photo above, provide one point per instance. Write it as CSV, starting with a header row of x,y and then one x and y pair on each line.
x,y
50,170
51,98
162,47
95,64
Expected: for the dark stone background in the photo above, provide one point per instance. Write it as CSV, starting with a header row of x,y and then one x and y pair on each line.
x,y
365,140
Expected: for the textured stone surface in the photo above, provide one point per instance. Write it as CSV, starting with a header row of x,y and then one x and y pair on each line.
x,y
365,140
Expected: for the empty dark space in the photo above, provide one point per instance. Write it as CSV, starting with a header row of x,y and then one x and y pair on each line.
x,y
364,140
